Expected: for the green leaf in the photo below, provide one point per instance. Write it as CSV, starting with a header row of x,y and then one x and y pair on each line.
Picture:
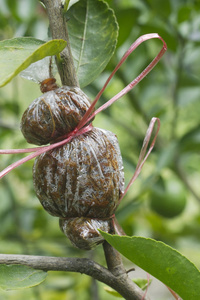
x,y
184,13
162,261
15,277
142,283
112,292
127,19
18,53
161,8
166,157
191,141
93,34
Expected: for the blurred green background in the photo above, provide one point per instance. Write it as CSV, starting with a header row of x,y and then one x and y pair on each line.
x,y
164,202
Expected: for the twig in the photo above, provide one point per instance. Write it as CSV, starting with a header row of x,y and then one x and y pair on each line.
x,y
113,260
58,29
116,267
94,290
126,288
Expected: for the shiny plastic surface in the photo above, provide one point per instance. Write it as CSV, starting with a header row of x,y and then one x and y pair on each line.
x,y
80,182
54,114
40,70
83,232
82,178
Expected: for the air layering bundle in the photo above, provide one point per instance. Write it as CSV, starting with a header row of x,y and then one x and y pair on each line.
x,y
79,176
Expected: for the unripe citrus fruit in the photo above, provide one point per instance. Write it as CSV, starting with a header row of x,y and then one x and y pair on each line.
x,y
168,199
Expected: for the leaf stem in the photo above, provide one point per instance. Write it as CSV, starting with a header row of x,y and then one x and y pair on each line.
x,y
58,28
116,267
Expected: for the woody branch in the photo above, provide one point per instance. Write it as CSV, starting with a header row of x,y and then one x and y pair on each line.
x,y
125,287
58,28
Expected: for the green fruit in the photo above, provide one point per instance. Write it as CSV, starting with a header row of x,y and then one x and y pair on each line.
x,y
168,199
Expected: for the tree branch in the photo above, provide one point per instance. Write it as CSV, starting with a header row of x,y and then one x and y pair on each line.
x,y
80,265
116,267
113,260
58,29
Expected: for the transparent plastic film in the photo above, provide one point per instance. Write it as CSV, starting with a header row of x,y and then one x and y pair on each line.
x,y
40,70
89,115
83,232
53,115
78,177
82,178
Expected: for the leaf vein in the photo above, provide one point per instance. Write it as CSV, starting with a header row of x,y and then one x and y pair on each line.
x,y
83,39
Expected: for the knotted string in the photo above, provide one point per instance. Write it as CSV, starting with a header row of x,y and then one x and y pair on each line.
x,y
39,150
80,129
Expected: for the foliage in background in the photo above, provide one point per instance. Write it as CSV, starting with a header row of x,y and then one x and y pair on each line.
x,y
171,92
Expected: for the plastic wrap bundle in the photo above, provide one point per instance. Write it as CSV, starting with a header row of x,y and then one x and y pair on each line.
x,y
81,183
54,114
83,232
79,177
